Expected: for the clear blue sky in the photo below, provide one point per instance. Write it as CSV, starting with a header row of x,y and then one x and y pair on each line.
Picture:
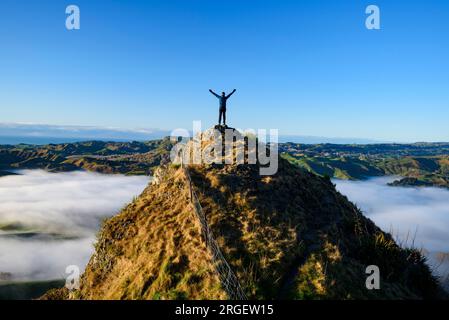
x,y
305,67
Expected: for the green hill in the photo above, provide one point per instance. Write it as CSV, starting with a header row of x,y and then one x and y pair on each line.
x,y
432,170
104,157
426,163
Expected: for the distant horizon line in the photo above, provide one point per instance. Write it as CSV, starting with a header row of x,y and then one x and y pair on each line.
x,y
44,140
30,133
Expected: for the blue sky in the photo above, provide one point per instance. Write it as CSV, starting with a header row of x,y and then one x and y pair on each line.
x,y
305,67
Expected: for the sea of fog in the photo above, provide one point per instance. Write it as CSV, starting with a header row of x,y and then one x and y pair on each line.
x,y
48,221
417,217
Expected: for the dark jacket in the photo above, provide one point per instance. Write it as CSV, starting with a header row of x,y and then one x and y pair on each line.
x,y
221,99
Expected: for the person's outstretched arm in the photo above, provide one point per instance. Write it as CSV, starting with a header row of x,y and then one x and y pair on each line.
x,y
230,94
214,93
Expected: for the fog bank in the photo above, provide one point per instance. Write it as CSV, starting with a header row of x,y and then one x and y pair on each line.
x,y
49,220
405,211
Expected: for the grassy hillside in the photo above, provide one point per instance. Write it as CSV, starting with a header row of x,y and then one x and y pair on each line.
x,y
341,167
152,250
293,236
417,171
287,236
138,158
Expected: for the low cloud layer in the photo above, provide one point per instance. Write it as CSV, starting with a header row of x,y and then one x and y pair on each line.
x,y
62,213
404,211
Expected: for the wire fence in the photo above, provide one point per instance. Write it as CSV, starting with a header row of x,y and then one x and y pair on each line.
x,y
228,279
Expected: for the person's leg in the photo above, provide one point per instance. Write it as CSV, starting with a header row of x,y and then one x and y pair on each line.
x,y
219,117
224,117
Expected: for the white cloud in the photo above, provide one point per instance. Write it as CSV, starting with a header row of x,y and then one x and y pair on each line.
x,y
404,210
80,132
68,204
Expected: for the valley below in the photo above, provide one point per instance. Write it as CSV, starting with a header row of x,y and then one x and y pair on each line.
x,y
54,197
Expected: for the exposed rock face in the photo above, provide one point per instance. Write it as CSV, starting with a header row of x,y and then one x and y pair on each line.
x,y
286,236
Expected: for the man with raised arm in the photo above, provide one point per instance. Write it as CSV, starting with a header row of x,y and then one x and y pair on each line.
x,y
222,99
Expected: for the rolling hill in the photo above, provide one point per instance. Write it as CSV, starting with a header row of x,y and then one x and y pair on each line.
x,y
421,164
132,158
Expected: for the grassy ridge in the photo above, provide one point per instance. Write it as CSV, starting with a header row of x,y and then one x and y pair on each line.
x,y
288,236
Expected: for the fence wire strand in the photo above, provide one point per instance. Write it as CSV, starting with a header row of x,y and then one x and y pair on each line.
x,y
227,277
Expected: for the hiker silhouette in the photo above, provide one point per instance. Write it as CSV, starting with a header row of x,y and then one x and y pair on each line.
x,y
222,100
